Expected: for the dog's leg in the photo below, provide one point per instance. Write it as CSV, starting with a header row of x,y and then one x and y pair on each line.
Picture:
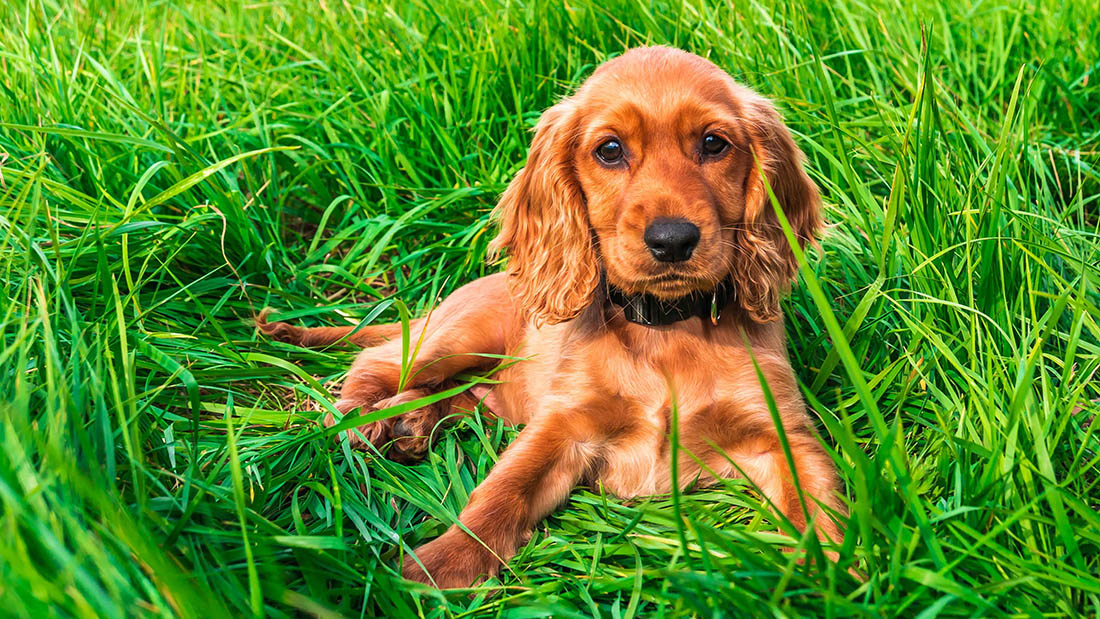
x,y
315,337
533,476
478,319
738,437
762,459
407,437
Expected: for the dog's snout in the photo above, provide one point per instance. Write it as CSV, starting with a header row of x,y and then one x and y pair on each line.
x,y
671,240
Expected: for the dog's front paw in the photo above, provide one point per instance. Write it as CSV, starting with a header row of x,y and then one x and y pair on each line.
x,y
453,561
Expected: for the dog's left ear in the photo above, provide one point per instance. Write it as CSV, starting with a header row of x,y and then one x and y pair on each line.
x,y
766,266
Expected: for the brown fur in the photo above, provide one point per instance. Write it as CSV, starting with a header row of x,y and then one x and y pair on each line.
x,y
596,391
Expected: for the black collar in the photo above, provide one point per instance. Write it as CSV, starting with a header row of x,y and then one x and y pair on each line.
x,y
647,310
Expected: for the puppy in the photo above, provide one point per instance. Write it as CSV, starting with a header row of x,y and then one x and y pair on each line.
x,y
646,264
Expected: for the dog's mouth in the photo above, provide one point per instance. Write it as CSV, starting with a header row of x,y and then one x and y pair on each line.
x,y
670,285
667,281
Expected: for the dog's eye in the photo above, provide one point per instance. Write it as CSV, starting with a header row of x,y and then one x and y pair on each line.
x,y
610,151
714,145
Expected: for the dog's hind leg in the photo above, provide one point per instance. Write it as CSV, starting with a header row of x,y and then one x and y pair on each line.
x,y
407,437
478,319
315,337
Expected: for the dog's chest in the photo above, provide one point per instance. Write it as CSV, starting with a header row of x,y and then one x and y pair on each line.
x,y
630,382
681,386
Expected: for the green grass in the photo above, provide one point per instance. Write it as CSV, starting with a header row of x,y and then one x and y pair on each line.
x,y
167,170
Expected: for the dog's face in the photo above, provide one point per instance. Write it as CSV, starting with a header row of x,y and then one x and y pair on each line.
x,y
651,173
663,159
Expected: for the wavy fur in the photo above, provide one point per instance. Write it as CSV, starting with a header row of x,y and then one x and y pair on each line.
x,y
552,267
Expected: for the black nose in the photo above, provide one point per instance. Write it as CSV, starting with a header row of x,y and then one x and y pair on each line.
x,y
671,240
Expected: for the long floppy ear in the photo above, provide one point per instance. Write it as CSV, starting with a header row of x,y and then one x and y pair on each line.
x,y
553,269
765,266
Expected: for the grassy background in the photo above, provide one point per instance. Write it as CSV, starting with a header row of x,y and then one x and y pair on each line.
x,y
168,169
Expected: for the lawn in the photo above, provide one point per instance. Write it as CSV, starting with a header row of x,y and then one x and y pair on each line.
x,y
168,169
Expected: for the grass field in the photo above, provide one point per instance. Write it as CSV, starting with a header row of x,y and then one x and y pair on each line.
x,y
168,169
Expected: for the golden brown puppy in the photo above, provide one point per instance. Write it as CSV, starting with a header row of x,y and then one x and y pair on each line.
x,y
644,254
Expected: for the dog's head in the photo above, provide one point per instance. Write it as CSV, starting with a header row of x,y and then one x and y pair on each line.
x,y
651,172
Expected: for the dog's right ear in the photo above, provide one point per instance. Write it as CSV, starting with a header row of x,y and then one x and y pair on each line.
x,y
553,269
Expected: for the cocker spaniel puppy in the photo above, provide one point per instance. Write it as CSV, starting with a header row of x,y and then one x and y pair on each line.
x,y
646,264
